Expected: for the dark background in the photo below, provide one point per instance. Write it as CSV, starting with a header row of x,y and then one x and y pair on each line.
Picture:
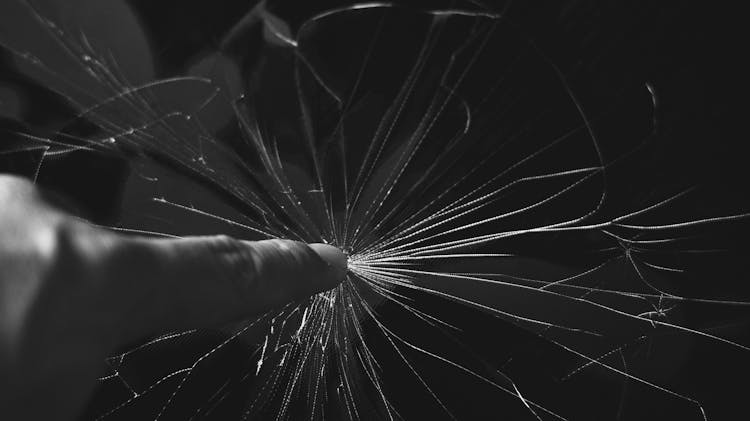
x,y
691,53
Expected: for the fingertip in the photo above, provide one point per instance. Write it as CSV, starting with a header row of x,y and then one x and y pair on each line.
x,y
336,260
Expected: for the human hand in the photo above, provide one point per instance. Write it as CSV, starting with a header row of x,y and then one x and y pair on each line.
x,y
70,293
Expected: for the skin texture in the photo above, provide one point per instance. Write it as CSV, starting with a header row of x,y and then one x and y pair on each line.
x,y
70,293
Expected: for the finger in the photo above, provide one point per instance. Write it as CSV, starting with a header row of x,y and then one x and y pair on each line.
x,y
207,281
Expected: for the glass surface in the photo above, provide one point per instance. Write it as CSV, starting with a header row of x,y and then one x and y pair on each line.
x,y
528,237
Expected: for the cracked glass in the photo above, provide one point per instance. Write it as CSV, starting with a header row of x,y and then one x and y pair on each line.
x,y
519,244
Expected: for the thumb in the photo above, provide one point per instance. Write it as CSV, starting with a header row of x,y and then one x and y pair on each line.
x,y
170,285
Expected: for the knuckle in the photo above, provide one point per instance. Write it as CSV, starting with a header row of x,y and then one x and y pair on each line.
x,y
80,257
226,258
222,243
289,250
241,264
66,250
